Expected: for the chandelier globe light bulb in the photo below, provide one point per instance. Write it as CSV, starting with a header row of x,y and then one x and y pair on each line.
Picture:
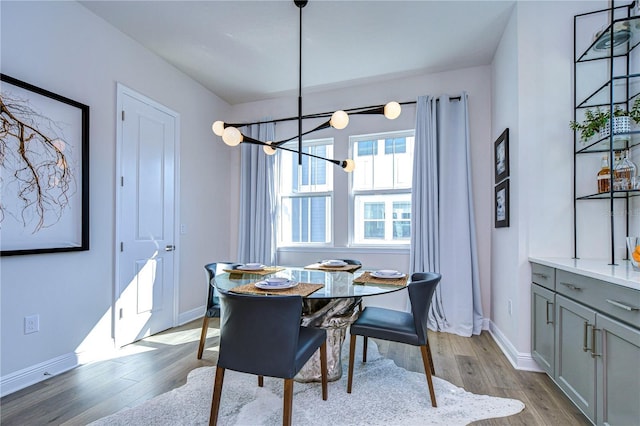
x,y
232,136
392,110
268,149
348,165
339,120
218,127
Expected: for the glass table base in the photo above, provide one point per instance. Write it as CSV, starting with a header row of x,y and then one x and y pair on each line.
x,y
335,316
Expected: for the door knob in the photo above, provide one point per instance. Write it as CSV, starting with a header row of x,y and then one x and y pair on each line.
x,y
170,247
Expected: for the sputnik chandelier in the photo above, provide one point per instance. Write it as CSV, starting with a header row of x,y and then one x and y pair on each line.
x,y
338,120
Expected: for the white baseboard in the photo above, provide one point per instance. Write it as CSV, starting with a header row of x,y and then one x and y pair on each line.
x,y
36,373
191,315
26,377
519,360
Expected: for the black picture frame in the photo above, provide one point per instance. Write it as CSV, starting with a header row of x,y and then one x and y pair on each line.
x,y
501,204
45,171
501,156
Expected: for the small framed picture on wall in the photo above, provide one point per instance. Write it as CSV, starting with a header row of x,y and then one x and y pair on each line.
x,y
502,204
501,156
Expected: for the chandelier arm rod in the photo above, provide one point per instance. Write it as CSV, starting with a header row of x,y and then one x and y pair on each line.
x,y
324,125
323,114
247,139
316,115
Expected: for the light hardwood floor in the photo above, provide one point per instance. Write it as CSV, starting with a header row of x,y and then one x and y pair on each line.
x,y
160,363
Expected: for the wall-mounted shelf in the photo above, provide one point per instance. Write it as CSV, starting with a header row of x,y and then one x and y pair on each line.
x,y
623,28
614,48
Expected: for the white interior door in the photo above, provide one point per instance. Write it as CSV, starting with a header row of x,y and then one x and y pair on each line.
x,y
145,290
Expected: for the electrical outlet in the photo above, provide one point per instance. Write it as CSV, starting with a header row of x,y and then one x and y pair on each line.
x,y
183,228
31,324
510,307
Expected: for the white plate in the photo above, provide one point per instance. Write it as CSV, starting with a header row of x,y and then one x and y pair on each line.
x,y
277,280
387,274
333,262
283,286
251,267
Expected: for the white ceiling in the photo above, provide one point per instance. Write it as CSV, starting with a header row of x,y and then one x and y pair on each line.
x,y
248,50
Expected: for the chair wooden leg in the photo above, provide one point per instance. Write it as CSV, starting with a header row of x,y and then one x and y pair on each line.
x,y
203,335
215,401
323,370
261,381
427,372
352,353
433,369
288,402
364,349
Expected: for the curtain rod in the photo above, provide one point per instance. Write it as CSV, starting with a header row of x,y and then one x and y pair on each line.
x,y
328,114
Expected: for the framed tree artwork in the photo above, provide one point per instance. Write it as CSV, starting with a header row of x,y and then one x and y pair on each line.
x,y
44,164
501,156
502,204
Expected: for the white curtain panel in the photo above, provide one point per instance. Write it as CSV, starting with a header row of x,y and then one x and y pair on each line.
x,y
257,199
443,229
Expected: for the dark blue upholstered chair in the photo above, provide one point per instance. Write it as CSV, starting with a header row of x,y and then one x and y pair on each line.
x,y
213,305
398,326
262,335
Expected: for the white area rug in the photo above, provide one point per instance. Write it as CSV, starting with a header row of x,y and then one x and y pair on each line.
x,y
383,394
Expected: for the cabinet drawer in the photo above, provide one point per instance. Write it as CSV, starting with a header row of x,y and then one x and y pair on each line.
x,y
619,302
543,275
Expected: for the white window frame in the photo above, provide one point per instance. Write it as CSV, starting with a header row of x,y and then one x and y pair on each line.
x,y
353,193
279,196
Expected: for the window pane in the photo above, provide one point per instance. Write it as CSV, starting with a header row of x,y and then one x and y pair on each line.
x,y
367,148
305,219
401,220
315,175
389,170
374,230
395,146
374,210
382,218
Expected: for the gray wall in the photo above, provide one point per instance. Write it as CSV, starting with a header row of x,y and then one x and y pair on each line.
x,y
64,48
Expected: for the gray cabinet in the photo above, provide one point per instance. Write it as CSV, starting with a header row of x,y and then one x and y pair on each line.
x,y
543,331
586,336
618,372
575,368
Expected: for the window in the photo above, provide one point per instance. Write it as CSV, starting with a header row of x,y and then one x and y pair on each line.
x,y
381,188
367,148
305,194
395,146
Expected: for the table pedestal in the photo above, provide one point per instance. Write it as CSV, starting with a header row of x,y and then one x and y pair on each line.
x,y
333,315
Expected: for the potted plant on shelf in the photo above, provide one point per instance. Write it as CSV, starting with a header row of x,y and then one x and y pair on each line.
x,y
598,121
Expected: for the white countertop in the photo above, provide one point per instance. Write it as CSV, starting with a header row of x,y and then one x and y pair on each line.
x,y
622,274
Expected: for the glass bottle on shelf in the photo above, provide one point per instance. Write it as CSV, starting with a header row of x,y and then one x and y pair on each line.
x,y
604,175
618,173
630,171
624,173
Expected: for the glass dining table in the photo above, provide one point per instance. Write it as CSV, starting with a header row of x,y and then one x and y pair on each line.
x,y
332,307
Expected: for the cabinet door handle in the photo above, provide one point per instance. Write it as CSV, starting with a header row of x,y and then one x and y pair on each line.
x,y
593,342
541,275
572,286
548,304
585,347
623,306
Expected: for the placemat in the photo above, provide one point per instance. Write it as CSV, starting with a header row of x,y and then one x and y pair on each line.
x,y
302,289
366,278
266,271
320,267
